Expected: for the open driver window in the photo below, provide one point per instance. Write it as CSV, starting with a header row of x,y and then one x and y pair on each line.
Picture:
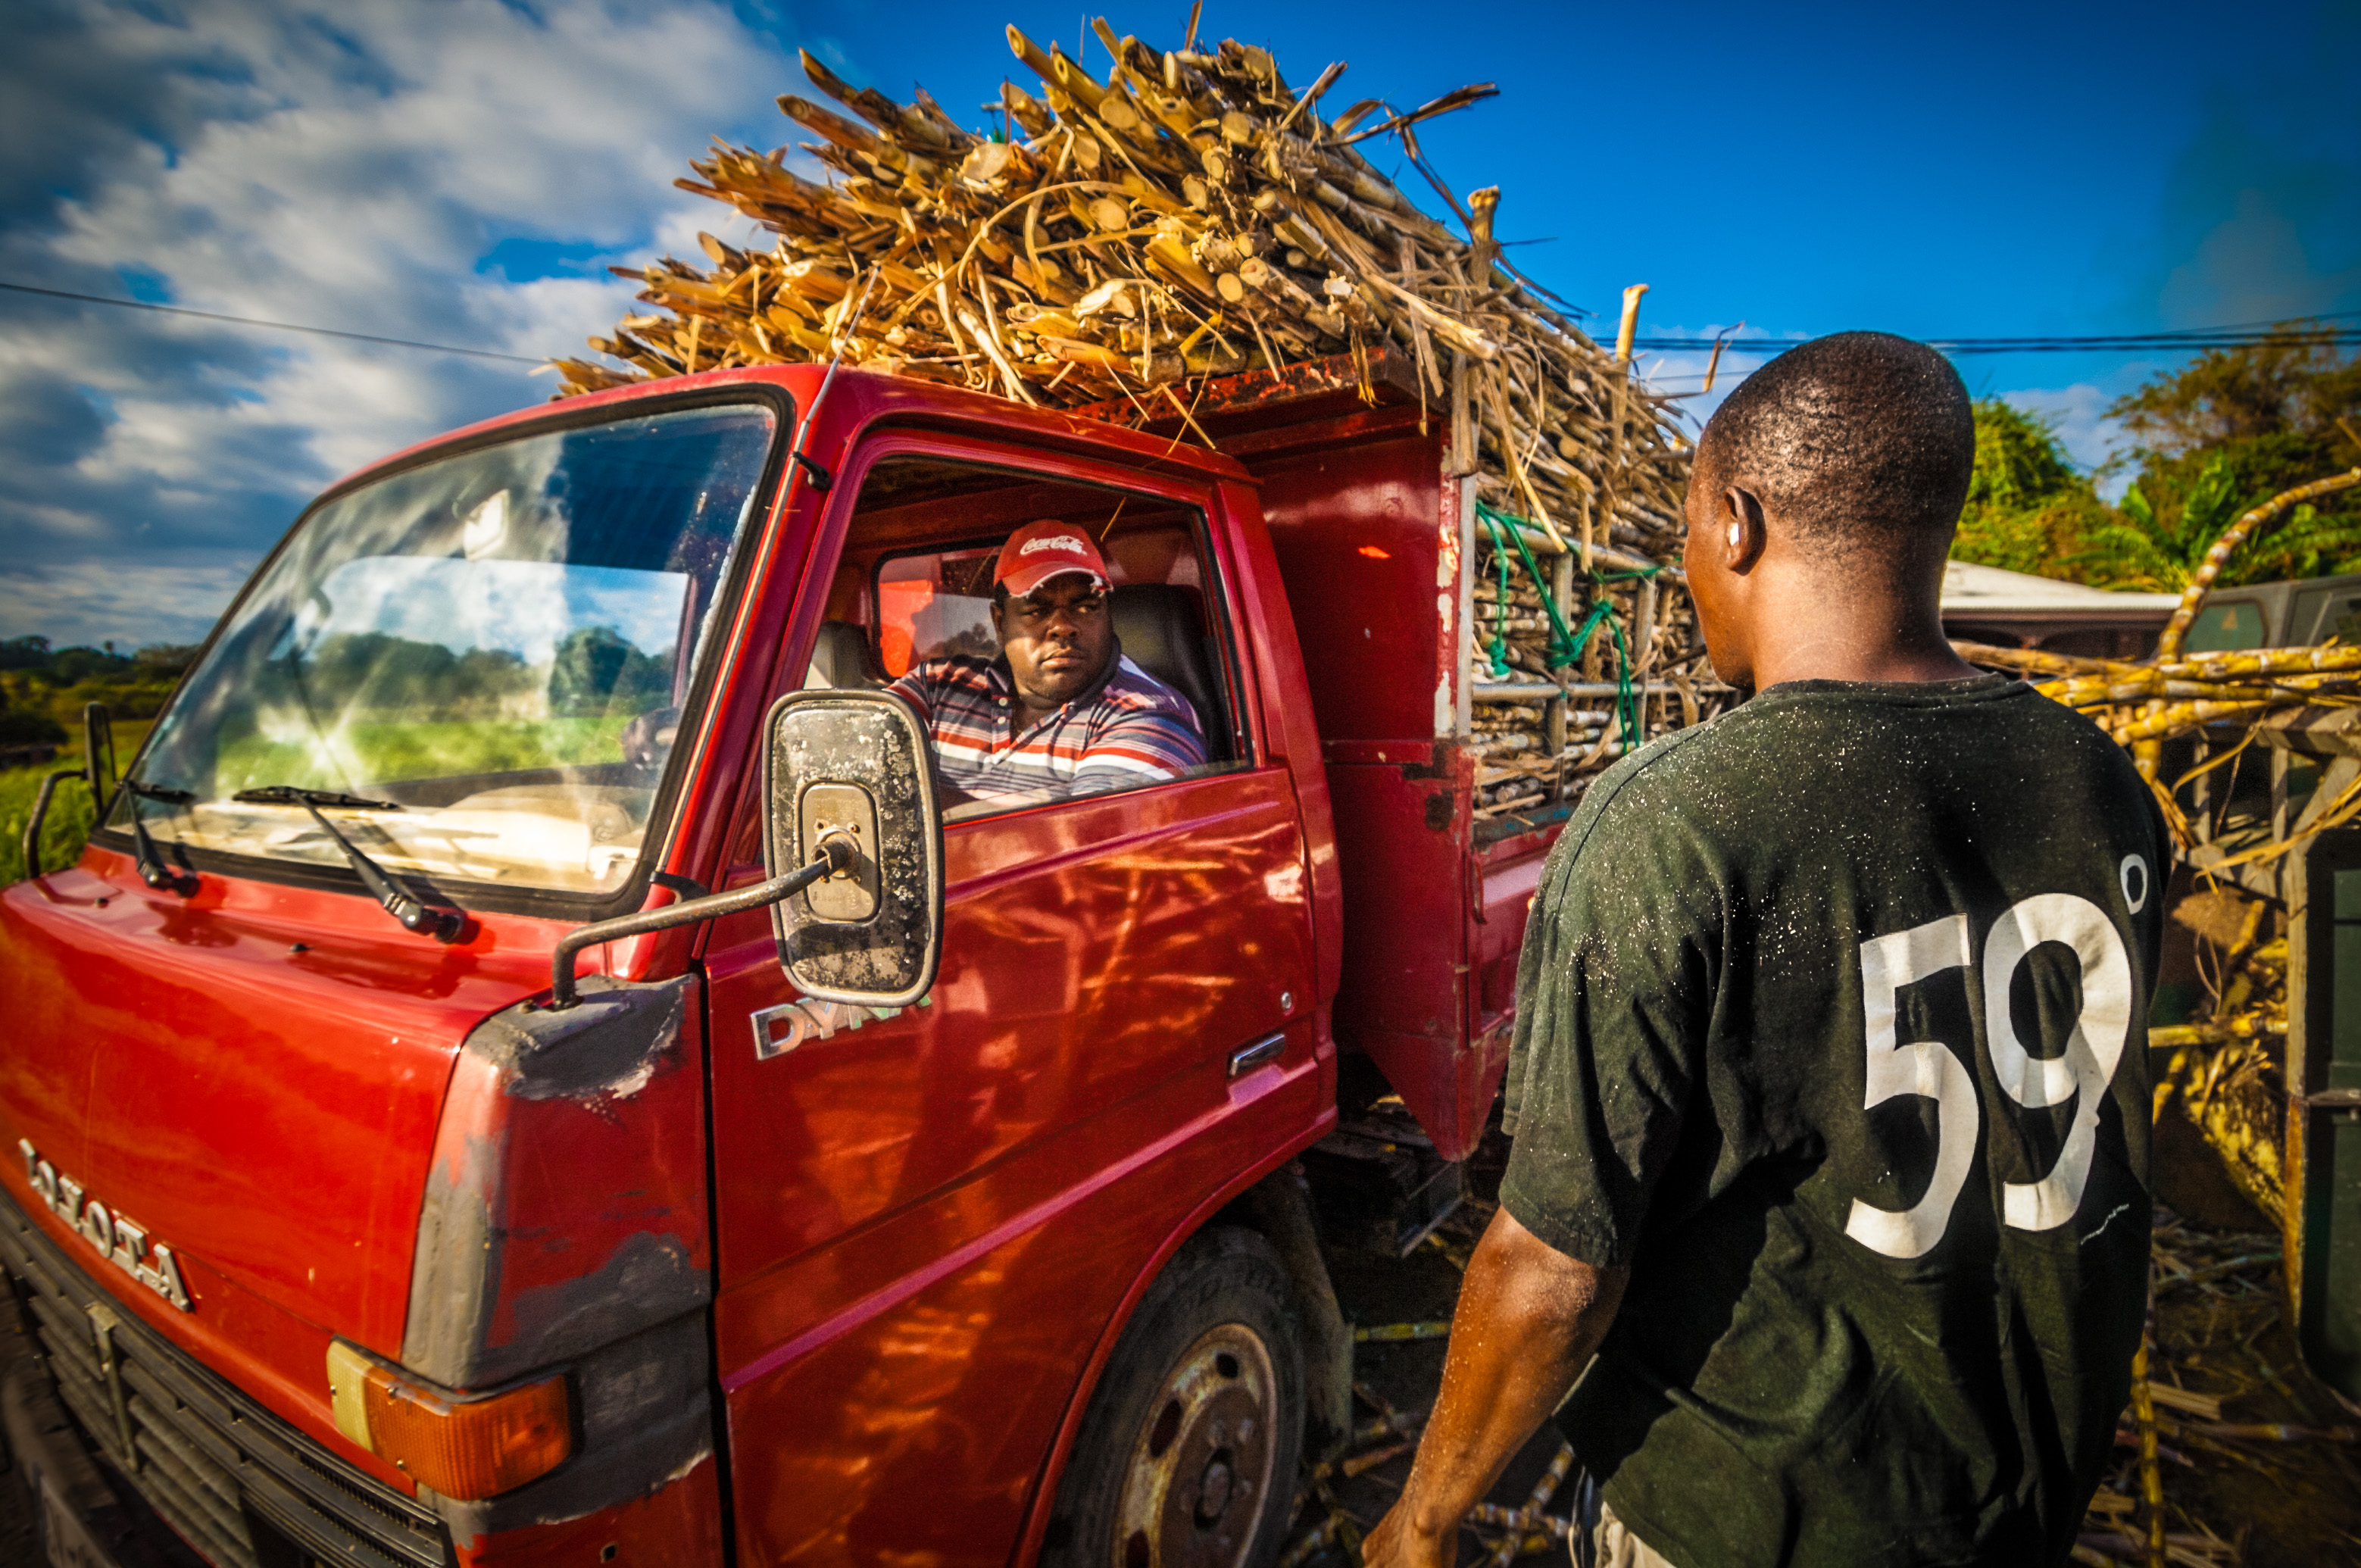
x,y
912,602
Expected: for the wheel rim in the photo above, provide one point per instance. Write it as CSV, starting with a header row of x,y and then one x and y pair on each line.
x,y
1200,1480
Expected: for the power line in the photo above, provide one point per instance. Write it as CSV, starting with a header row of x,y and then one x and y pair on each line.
x,y
2096,342
2251,335
272,326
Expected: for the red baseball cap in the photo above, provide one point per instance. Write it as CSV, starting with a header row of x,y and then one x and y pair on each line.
x,y
1040,551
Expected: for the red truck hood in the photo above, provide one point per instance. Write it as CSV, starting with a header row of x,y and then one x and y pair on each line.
x,y
253,1076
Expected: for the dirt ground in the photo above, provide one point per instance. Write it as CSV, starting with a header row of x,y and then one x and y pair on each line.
x,y
2234,1494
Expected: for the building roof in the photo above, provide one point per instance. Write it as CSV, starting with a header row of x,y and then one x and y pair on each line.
x,y
1973,592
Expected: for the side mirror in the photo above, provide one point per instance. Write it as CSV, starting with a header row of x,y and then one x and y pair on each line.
x,y
98,751
856,766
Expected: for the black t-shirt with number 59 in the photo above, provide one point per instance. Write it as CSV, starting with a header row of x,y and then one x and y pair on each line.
x,y
1831,1025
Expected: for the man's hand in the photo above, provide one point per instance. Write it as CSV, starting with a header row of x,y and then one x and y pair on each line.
x,y
1396,1543
1528,1319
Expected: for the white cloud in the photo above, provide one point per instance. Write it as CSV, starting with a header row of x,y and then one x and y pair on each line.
x,y
525,607
129,604
2078,413
347,165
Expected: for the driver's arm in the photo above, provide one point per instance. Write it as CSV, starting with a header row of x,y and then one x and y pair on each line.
x,y
1154,741
916,689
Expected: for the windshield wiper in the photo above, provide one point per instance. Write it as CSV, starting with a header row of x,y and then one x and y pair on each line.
x,y
443,924
287,794
145,858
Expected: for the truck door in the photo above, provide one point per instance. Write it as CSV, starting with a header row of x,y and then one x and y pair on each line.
x,y
928,1218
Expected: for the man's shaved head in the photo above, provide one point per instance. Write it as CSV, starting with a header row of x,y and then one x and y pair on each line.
x,y
1860,444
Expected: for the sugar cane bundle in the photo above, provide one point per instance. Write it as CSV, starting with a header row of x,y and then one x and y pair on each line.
x,y
1185,213
2227,1072
1181,215
2227,1069
2144,703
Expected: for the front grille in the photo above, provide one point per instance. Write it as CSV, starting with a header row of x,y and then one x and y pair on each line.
x,y
208,1459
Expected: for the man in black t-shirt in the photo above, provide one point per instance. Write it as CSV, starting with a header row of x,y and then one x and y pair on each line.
x,y
1828,1098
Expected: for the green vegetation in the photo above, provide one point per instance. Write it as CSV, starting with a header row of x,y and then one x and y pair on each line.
x,y
42,692
2029,509
2160,548
364,751
596,672
2232,430
39,683
2268,417
374,670
62,831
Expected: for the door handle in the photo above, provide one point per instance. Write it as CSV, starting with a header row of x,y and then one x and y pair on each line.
x,y
1248,1057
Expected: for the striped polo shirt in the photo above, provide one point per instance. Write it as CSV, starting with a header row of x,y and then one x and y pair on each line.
x,y
1130,729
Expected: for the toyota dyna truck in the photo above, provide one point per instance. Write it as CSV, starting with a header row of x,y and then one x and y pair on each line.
x,y
531,1068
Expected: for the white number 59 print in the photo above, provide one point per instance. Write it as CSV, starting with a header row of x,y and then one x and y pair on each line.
x,y
1927,1068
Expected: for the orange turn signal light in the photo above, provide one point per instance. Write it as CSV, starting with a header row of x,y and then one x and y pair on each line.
x,y
463,1447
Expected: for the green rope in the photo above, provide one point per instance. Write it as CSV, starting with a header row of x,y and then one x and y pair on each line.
x,y
1499,667
1565,647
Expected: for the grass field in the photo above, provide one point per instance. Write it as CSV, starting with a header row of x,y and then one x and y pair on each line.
x,y
69,808
69,822
415,749
62,834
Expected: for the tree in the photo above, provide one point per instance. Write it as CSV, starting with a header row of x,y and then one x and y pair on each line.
x,y
596,672
2238,426
2029,509
2160,548
29,727
2296,384
376,669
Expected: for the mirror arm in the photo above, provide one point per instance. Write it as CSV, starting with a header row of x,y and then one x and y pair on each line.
x,y
97,734
34,824
835,854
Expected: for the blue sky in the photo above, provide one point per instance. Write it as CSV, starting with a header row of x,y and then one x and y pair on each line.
x,y
463,170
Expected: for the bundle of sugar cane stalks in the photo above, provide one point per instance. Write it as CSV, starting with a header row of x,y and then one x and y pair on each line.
x,y
1131,232
2226,1071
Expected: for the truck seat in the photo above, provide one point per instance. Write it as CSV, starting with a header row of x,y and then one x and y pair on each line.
x,y
1163,633
841,660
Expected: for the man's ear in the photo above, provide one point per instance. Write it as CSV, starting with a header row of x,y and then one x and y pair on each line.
x,y
1743,532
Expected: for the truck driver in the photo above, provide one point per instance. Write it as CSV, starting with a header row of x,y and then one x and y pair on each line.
x,y
1061,711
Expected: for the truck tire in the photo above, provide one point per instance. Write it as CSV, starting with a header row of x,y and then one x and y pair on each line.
x,y
1188,1453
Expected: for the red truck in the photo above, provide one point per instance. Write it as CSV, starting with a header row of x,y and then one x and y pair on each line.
x,y
898,1182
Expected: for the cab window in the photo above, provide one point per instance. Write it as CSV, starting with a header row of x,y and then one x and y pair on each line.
x,y
1069,691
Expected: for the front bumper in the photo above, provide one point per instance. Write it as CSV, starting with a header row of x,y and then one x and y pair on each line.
x,y
232,1480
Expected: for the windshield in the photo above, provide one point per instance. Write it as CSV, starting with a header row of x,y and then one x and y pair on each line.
x,y
498,645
